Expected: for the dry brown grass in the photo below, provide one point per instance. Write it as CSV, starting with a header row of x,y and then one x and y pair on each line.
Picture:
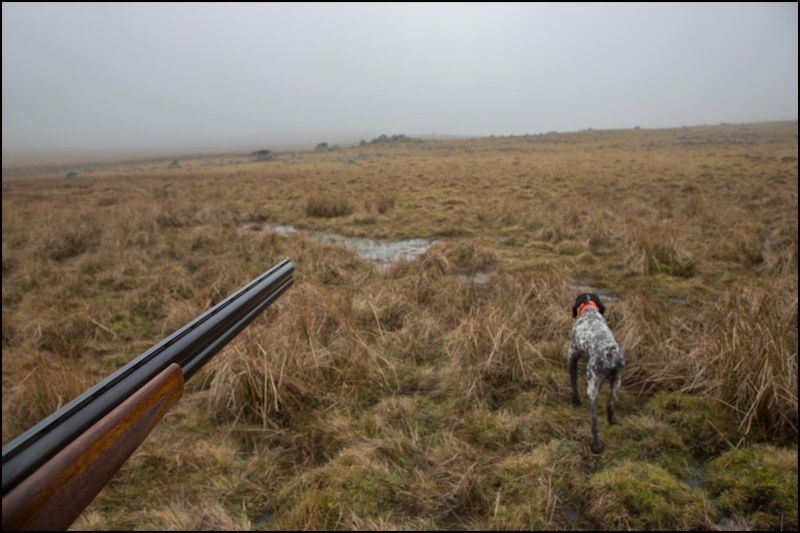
x,y
433,394
748,357
328,206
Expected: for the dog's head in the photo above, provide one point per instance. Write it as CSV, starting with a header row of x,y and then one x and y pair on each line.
x,y
585,298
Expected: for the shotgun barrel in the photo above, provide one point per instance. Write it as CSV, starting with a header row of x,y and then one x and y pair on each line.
x,y
187,349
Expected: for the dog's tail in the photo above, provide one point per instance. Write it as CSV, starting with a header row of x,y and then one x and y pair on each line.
x,y
611,354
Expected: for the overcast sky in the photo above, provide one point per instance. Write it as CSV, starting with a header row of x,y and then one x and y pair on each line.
x,y
162,76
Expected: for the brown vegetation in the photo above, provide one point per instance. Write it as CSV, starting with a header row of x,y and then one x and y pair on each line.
x,y
424,396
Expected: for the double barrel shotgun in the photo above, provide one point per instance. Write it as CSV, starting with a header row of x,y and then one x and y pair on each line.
x,y
54,470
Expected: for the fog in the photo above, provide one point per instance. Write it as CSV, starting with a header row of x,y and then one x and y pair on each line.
x,y
223,76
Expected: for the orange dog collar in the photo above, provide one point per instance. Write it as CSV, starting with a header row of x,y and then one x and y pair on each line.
x,y
584,307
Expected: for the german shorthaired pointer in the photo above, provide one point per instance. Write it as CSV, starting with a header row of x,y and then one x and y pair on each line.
x,y
592,341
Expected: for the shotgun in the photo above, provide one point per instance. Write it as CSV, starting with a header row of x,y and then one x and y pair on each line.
x,y
54,470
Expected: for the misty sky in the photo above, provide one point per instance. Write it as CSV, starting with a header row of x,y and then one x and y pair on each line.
x,y
161,76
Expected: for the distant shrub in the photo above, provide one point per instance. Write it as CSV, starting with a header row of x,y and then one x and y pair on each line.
x,y
263,155
391,140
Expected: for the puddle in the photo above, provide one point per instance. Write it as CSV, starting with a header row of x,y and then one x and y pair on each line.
x,y
377,251
479,278
571,513
692,483
600,292
382,252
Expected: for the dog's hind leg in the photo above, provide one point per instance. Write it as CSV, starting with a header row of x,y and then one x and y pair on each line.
x,y
594,394
616,380
574,356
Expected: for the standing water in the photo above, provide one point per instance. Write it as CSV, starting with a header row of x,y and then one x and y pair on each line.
x,y
377,251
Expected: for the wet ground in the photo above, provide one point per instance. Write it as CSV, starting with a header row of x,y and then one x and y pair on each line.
x,y
382,252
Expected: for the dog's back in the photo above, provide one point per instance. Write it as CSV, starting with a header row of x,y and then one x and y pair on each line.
x,y
592,339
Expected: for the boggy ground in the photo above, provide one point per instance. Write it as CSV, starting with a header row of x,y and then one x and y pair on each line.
x,y
432,394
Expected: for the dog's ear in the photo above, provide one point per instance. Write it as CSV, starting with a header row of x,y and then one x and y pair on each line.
x,y
600,305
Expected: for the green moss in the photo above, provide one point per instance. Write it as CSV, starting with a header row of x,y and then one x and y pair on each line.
x,y
132,327
701,422
639,496
492,430
759,483
643,438
358,482
536,490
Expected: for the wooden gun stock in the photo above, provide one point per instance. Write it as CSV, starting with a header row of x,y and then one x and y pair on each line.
x,y
58,492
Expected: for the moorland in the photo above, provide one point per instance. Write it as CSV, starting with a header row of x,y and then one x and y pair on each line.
x,y
429,392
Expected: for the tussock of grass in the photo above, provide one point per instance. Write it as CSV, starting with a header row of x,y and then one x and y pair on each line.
x,y
450,481
702,422
381,203
493,430
757,483
420,342
67,335
470,256
642,331
433,263
385,311
46,383
782,255
646,439
328,206
636,496
748,358
204,515
357,483
72,238
658,249
489,356
537,490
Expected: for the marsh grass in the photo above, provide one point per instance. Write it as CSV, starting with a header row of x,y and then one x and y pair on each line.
x,y
432,394
328,205
748,357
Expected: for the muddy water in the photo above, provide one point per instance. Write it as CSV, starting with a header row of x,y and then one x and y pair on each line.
x,y
381,252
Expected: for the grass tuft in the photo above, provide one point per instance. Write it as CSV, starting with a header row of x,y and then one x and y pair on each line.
x,y
328,206
758,483
636,496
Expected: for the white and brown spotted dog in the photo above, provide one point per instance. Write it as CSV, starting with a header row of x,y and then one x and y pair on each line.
x,y
592,341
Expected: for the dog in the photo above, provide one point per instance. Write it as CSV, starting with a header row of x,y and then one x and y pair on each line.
x,y
592,341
